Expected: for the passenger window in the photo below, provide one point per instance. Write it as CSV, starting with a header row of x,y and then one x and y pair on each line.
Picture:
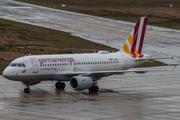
x,y
23,65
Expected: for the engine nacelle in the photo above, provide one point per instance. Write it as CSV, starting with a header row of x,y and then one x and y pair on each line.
x,y
81,82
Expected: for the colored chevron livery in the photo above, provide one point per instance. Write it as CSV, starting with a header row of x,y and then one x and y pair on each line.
x,y
133,45
23,71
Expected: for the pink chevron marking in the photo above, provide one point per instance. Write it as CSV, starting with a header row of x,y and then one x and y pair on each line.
x,y
142,36
136,30
134,55
141,56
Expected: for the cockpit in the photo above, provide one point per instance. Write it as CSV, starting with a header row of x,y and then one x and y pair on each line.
x,y
17,65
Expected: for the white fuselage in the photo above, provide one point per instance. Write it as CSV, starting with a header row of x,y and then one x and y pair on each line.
x,y
57,67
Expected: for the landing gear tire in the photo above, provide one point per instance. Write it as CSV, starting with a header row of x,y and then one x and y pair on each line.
x,y
60,85
27,90
94,89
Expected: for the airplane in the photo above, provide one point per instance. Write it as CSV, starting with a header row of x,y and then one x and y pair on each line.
x,y
81,70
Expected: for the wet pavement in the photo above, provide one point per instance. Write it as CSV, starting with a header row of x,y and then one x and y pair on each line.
x,y
154,95
159,42
150,96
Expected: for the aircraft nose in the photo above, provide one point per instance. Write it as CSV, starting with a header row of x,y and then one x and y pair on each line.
x,y
7,72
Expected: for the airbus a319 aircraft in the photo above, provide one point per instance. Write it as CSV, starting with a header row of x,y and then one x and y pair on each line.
x,y
81,70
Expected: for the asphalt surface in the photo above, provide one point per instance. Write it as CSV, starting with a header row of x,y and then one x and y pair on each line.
x,y
150,96
159,42
154,95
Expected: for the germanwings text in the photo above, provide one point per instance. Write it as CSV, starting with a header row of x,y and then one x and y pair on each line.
x,y
44,60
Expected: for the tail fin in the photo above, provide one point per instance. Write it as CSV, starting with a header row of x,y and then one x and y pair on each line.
x,y
134,43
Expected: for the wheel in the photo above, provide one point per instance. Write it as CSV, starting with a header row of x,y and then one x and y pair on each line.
x,y
60,85
90,89
27,90
94,89
57,85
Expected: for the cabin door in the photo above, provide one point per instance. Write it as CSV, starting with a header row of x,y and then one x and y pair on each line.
x,y
125,62
35,65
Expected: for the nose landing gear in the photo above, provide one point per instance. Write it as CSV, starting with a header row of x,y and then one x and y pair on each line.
x,y
27,90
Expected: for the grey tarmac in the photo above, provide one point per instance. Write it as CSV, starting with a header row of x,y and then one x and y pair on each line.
x,y
154,95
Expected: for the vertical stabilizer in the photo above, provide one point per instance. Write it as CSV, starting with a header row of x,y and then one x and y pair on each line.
x,y
134,43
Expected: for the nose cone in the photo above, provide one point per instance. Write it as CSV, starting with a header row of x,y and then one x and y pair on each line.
x,y
7,72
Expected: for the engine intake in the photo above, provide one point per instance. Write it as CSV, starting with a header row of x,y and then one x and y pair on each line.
x,y
81,82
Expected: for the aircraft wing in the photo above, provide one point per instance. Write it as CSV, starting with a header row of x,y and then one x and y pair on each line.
x,y
108,73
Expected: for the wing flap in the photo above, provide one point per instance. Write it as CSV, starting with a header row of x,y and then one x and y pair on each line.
x,y
107,73
139,59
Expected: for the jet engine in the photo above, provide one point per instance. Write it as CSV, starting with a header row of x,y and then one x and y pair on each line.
x,y
81,82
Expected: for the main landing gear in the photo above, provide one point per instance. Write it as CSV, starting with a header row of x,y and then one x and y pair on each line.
x,y
94,89
60,85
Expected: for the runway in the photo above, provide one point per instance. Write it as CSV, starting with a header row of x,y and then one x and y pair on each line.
x,y
154,95
159,42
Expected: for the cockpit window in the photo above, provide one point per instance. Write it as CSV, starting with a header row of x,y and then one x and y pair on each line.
x,y
13,64
17,65
23,65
